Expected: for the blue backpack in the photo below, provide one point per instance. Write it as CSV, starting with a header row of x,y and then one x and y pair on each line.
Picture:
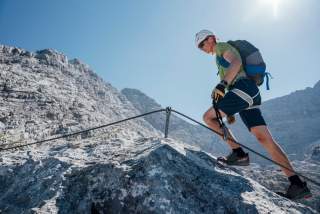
x,y
252,61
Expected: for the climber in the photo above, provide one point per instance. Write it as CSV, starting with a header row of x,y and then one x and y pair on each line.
x,y
241,70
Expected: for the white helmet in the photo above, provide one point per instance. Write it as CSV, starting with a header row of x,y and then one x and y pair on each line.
x,y
202,35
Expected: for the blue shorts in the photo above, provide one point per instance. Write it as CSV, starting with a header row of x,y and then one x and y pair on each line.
x,y
243,98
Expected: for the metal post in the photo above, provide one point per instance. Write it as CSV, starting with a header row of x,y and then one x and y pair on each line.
x,y
168,113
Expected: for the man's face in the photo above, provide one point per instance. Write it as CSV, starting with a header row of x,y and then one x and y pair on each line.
x,y
208,45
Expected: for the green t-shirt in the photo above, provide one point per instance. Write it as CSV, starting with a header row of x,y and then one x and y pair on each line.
x,y
221,48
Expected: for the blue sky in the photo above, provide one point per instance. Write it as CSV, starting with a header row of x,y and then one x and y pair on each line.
x,y
149,45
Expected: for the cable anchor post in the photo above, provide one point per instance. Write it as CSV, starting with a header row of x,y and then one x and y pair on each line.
x,y
168,113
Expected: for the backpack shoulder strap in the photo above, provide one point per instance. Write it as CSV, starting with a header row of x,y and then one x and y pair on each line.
x,y
221,61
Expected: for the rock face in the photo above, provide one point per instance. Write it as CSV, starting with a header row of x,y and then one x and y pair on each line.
x,y
126,168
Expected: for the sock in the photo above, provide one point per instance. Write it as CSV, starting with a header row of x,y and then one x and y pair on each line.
x,y
239,152
294,179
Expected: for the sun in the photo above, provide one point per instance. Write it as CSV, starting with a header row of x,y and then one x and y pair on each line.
x,y
273,3
269,9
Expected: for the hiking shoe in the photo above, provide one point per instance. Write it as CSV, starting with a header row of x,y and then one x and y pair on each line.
x,y
297,192
234,159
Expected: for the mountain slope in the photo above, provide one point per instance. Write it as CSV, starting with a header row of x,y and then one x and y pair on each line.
x,y
127,168
49,95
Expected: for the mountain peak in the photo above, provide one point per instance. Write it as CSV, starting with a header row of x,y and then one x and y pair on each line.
x,y
51,57
317,85
48,51
6,50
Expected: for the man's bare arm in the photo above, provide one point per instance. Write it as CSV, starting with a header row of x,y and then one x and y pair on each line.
x,y
234,67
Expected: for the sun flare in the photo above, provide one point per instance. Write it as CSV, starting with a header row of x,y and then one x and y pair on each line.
x,y
274,4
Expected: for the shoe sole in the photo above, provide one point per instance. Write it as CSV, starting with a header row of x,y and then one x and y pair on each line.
x,y
303,195
242,164
235,164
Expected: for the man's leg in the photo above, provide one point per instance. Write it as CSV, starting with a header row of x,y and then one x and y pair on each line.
x,y
210,118
237,156
297,189
264,136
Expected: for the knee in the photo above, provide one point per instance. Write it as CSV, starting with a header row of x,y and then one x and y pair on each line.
x,y
207,118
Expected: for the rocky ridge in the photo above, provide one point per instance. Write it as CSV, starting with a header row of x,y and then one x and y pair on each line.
x,y
120,169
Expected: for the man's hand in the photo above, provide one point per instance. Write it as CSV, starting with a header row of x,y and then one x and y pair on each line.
x,y
219,91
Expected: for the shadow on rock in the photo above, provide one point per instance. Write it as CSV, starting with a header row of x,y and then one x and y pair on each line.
x,y
30,185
